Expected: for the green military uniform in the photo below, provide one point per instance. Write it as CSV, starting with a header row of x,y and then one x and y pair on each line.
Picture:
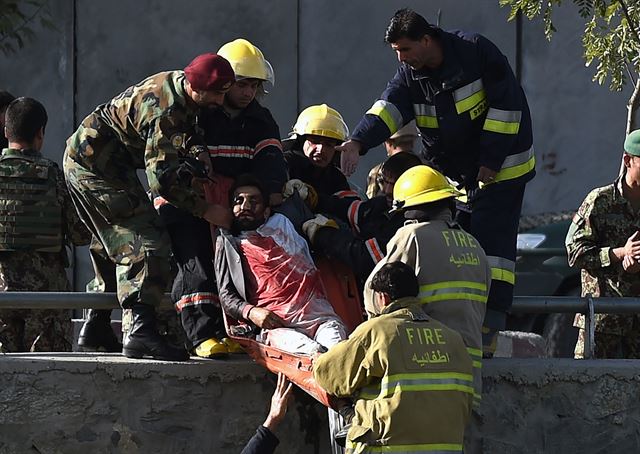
x,y
145,127
38,220
411,378
604,221
454,278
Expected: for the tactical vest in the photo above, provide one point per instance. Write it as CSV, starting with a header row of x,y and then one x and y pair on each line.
x,y
30,214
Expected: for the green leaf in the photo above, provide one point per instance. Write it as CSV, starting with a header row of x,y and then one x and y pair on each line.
x,y
611,10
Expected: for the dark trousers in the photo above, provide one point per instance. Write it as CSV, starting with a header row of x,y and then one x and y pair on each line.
x,y
492,215
194,290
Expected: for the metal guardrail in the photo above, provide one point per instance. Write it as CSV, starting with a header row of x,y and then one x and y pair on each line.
x,y
559,251
587,305
521,305
64,300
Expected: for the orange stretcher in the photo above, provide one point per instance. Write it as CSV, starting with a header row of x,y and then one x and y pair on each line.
x,y
342,292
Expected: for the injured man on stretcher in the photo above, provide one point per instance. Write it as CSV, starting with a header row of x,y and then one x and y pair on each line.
x,y
266,276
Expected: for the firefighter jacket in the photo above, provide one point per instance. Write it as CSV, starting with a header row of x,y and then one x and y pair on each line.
x,y
372,226
325,180
454,278
471,112
29,207
246,143
410,377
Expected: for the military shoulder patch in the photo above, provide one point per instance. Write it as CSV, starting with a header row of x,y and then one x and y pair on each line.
x,y
177,141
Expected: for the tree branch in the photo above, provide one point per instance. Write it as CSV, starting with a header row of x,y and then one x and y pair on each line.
x,y
632,109
630,73
23,25
632,26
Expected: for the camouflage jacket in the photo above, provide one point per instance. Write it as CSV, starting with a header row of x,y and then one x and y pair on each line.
x,y
153,120
74,232
604,221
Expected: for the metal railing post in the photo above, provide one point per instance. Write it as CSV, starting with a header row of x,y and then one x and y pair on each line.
x,y
590,328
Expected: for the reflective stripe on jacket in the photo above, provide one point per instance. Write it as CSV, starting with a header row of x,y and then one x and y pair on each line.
x,y
371,228
471,112
246,143
410,377
454,278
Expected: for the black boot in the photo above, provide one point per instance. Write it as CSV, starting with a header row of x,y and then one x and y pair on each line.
x,y
97,335
144,339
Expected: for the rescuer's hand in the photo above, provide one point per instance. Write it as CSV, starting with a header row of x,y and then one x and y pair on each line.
x,y
486,175
349,156
206,159
264,318
279,402
218,215
305,191
630,265
632,246
311,227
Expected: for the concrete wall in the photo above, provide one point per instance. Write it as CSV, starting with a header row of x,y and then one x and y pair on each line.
x,y
330,51
72,403
559,406
76,404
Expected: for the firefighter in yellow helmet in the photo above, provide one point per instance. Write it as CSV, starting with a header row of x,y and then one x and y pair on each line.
x,y
311,154
247,61
451,266
241,137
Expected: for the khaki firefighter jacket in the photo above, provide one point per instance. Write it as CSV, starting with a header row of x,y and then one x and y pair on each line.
x,y
410,377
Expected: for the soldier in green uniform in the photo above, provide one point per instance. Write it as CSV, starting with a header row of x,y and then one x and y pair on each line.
x,y
604,241
38,220
149,126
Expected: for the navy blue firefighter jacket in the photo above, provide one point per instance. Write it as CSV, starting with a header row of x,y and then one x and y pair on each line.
x,y
471,112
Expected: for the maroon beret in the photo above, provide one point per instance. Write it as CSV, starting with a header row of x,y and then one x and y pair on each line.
x,y
209,72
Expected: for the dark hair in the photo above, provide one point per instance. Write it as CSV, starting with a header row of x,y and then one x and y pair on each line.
x,y
430,210
396,279
5,99
399,163
406,23
24,118
246,179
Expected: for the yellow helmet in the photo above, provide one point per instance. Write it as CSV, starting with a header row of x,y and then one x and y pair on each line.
x,y
421,184
247,61
321,120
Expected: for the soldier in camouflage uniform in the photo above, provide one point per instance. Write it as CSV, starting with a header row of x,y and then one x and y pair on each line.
x,y
604,241
148,126
38,220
